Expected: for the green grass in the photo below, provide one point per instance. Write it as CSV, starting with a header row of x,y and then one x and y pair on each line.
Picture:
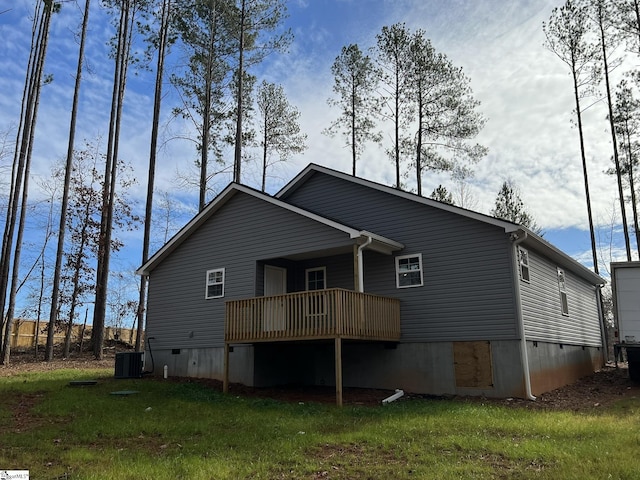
x,y
188,431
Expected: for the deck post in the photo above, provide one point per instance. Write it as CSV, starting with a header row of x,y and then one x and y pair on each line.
x,y
338,352
225,381
356,270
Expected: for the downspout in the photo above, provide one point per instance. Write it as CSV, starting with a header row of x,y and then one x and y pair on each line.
x,y
523,345
361,264
604,334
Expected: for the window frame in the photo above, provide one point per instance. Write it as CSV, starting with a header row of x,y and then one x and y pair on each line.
x,y
215,283
315,269
562,289
524,266
420,270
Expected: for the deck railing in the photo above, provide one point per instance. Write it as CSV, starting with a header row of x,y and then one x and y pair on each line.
x,y
311,315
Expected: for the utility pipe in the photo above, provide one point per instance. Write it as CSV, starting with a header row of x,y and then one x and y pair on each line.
x,y
361,264
399,393
523,344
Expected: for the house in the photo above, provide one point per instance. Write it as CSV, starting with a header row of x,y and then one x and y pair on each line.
x,y
341,281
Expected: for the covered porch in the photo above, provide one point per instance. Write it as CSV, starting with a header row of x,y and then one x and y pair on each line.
x,y
307,296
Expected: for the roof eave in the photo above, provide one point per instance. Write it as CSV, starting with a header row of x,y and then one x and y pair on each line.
x,y
562,259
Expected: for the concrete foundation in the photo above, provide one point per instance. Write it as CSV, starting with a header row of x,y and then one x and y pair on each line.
x,y
427,368
414,367
554,365
204,363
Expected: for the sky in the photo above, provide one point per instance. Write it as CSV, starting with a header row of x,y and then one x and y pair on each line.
x,y
525,93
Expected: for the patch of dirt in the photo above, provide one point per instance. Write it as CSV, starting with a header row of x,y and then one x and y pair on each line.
x,y
20,407
592,392
22,361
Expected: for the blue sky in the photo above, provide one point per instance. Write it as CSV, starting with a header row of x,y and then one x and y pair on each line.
x,y
525,93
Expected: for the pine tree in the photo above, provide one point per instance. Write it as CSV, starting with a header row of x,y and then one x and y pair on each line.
x,y
392,54
441,194
509,206
444,111
279,128
19,190
566,35
53,311
355,80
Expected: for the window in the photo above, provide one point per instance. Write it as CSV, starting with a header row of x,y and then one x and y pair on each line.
x,y
523,260
316,278
409,271
564,304
215,283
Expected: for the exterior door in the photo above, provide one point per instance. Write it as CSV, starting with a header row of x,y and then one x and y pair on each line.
x,y
275,283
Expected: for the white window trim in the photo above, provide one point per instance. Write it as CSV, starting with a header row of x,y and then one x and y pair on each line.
x,y
402,257
522,265
314,269
207,284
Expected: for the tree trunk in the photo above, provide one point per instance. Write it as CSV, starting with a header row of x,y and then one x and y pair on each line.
x,y
26,148
111,168
397,128
265,147
585,175
206,117
354,150
632,186
17,170
237,162
616,159
55,291
419,146
157,101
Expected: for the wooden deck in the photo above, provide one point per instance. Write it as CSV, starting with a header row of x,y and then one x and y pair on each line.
x,y
319,314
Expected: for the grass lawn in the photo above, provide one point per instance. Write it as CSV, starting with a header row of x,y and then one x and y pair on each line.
x,y
188,431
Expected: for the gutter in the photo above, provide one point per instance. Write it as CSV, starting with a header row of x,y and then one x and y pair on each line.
x,y
517,240
361,264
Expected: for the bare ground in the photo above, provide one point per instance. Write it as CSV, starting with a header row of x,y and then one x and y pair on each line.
x,y
595,391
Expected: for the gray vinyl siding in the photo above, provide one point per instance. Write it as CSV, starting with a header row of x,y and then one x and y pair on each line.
x,y
339,269
468,291
244,232
541,309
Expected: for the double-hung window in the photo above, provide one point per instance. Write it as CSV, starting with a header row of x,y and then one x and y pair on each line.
x,y
316,278
409,271
562,287
215,283
523,261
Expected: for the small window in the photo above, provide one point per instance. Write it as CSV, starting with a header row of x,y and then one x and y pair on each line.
x,y
316,278
215,283
409,271
523,260
564,303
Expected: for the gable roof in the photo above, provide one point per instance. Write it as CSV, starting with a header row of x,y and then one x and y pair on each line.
x,y
526,236
378,242
312,168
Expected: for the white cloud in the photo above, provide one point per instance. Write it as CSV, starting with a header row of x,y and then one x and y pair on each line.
x,y
526,94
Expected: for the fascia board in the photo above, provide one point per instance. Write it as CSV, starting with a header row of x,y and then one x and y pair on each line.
x,y
222,198
553,253
185,231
